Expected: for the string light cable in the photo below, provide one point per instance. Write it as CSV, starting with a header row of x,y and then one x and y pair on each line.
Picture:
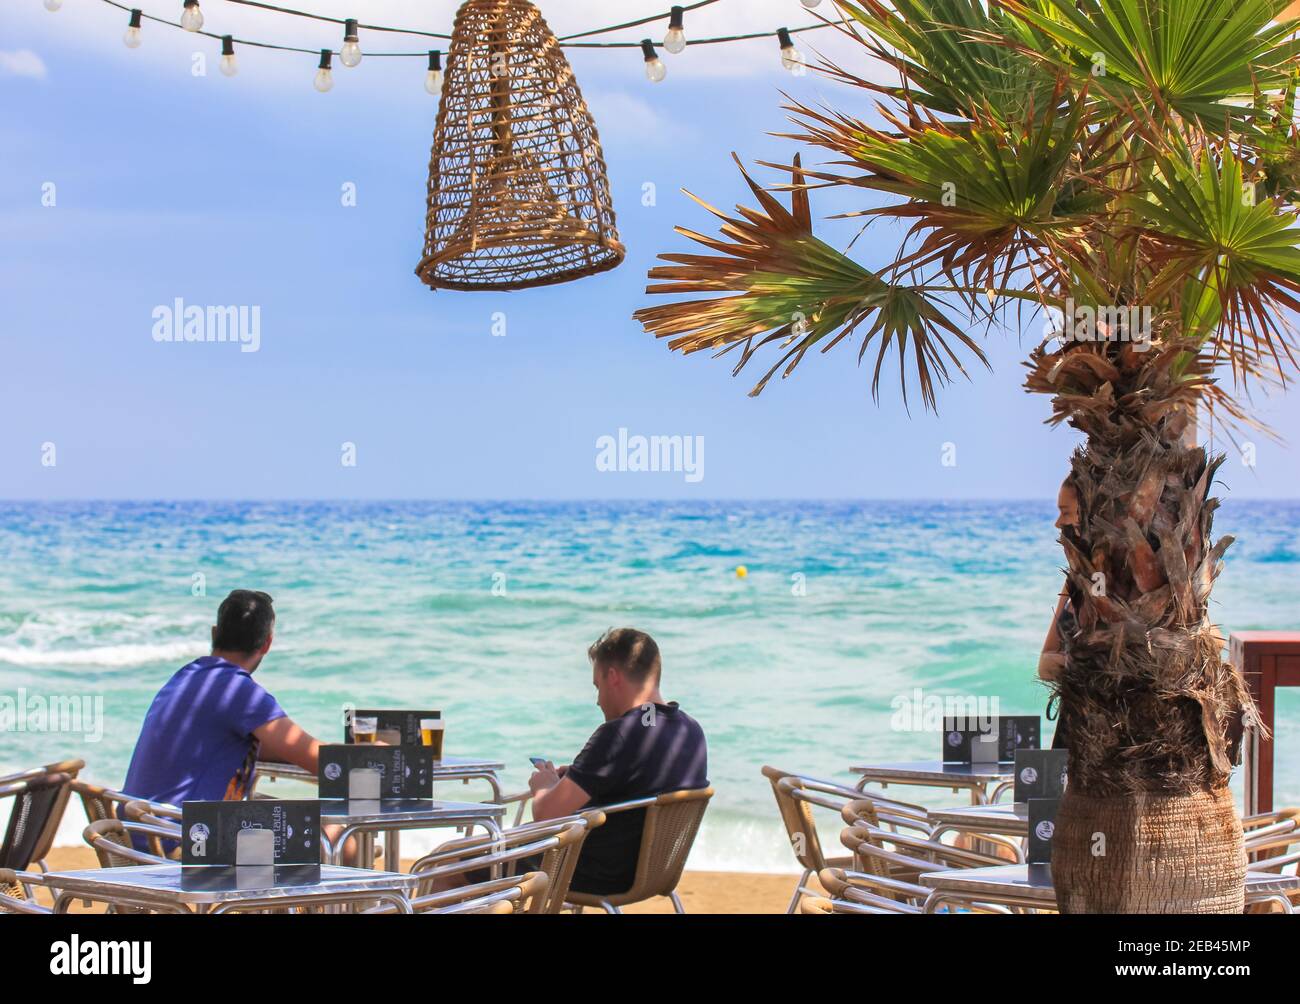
x,y
350,54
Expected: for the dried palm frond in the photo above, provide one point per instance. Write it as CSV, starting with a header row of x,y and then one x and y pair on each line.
x,y
797,291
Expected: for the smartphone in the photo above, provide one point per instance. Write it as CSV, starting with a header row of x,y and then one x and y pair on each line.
x,y
537,761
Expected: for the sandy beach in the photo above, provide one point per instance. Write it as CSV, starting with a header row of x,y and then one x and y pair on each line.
x,y
701,892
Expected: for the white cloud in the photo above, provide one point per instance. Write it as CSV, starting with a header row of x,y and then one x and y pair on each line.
x,y
22,63
622,116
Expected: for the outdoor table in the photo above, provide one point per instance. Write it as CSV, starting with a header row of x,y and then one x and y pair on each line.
x,y
365,818
1030,886
228,889
972,777
449,768
1010,819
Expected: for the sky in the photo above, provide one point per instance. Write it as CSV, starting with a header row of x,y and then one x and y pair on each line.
x,y
229,191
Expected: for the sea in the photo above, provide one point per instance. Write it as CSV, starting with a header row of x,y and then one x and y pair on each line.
x,y
802,635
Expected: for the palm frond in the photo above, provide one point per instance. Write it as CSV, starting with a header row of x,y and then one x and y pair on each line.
x,y
1231,259
941,53
988,198
1194,58
796,292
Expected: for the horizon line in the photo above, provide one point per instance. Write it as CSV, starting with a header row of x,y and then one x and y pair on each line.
x,y
575,499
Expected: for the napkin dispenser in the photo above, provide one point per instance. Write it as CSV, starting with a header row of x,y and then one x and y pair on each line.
x,y
365,784
255,846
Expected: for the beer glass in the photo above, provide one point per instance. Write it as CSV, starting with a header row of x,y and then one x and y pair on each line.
x,y
365,730
431,733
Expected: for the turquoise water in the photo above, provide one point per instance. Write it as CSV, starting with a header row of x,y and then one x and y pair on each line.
x,y
394,603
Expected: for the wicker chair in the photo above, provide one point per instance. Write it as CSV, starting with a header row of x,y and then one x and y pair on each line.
x,y
1249,823
1276,851
875,892
16,892
141,810
671,822
558,842
110,839
796,797
39,799
893,855
98,801
871,893
513,894
160,816
1265,827
70,767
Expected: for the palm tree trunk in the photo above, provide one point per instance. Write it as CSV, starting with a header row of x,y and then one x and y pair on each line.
x,y
1151,713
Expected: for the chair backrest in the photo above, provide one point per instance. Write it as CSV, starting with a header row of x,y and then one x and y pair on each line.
x,y
559,862
551,847
1272,852
820,905
98,801
69,767
141,810
53,812
513,894
880,892
111,841
671,822
797,795
160,816
34,819
797,815
888,852
886,814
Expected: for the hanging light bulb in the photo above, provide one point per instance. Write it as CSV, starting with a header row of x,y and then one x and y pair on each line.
x,y
655,70
324,78
132,37
810,4
229,64
791,58
191,16
433,79
350,54
53,5
675,40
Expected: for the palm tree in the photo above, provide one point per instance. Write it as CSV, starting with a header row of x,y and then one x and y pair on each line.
x,y
1128,168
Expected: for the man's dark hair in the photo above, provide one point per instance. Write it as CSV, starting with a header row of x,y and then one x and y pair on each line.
x,y
244,621
631,651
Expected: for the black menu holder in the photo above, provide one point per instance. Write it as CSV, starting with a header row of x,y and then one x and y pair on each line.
x,y
370,772
993,739
1040,774
400,724
969,740
257,833
1019,732
1042,827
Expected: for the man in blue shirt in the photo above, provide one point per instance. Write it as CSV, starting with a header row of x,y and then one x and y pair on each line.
x,y
212,722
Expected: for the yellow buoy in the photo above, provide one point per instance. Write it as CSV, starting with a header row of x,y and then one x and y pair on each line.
x,y
741,571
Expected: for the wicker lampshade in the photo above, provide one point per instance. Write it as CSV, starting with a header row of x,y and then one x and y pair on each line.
x,y
517,190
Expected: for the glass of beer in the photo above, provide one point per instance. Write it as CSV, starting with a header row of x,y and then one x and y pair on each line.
x,y
365,730
431,732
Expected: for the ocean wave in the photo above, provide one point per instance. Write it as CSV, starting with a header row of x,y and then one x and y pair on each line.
x,y
101,655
